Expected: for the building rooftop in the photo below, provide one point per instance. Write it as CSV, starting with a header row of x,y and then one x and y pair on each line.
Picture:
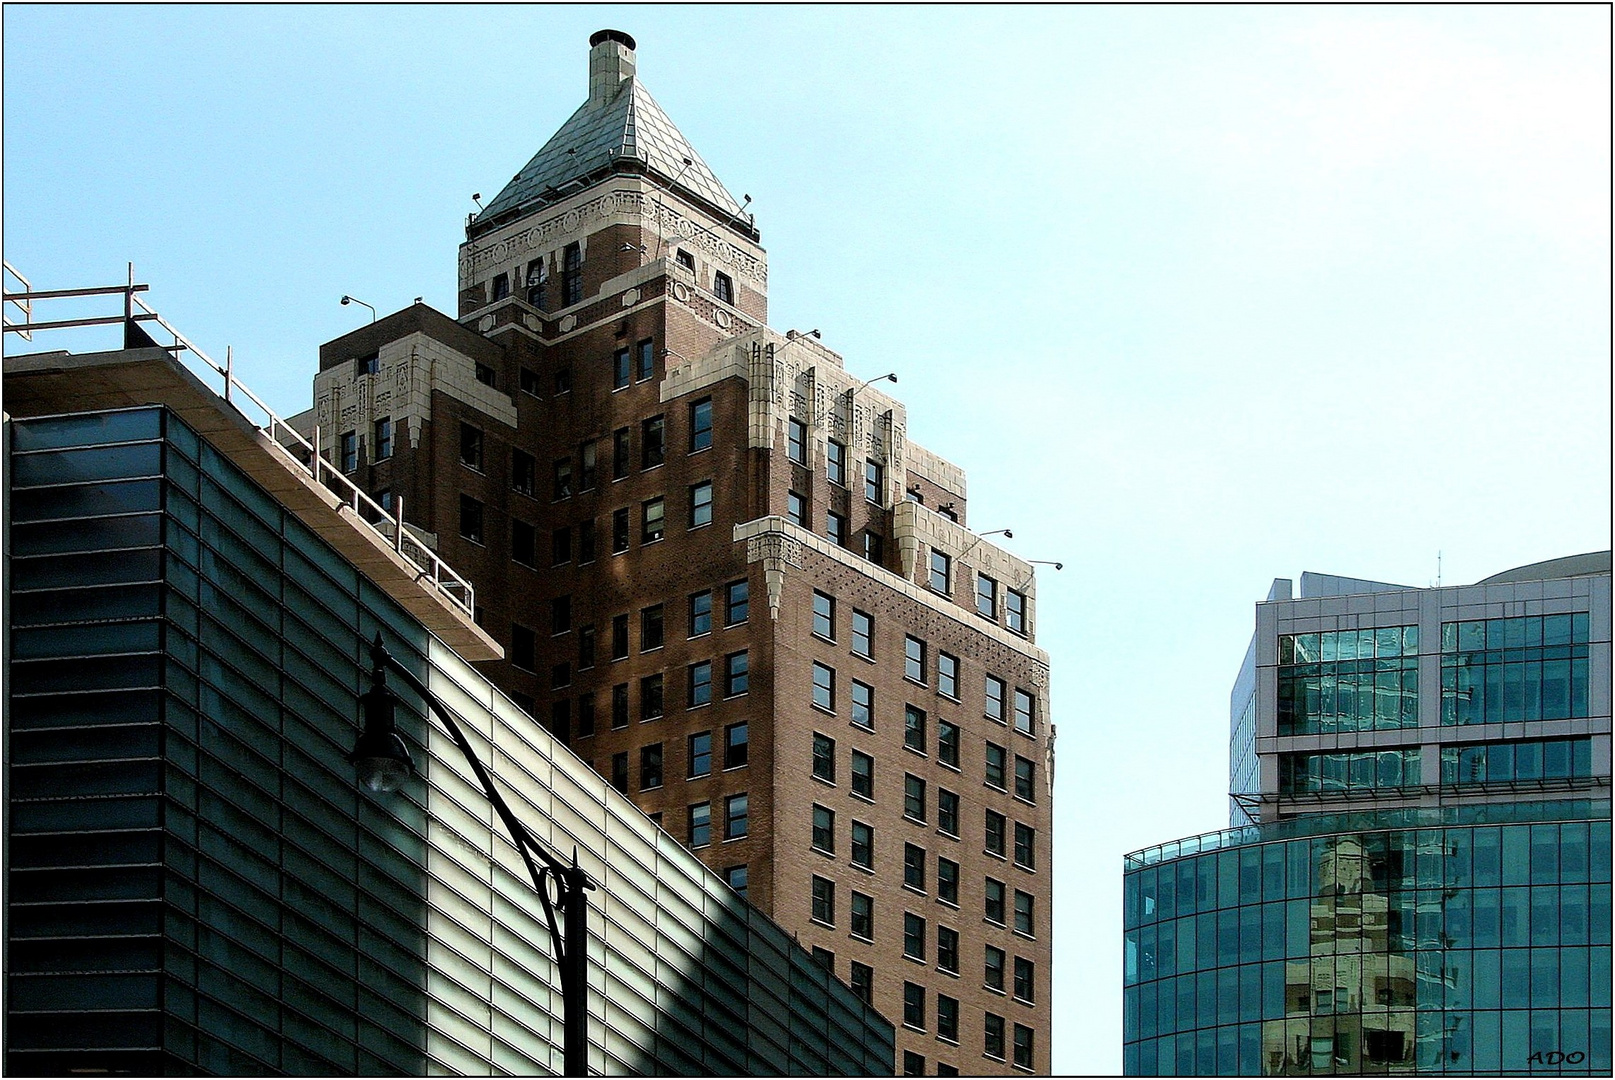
x,y
619,128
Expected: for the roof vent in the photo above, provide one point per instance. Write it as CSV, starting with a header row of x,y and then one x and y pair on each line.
x,y
611,60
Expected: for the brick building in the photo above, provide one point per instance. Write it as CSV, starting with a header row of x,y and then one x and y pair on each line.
x,y
724,575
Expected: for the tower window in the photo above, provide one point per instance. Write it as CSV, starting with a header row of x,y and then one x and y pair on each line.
x,y
685,259
647,359
701,425
501,286
723,287
384,438
571,275
875,482
535,283
350,451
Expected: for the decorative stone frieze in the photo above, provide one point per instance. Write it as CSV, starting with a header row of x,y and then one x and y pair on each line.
x,y
775,551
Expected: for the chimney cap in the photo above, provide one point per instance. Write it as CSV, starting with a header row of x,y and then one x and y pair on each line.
x,y
618,36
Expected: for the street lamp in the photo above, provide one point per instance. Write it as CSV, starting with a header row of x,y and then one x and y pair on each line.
x,y
383,763
346,300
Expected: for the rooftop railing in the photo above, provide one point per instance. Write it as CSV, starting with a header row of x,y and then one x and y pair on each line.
x,y
293,450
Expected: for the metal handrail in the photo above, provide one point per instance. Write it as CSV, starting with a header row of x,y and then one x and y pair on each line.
x,y
24,303
366,511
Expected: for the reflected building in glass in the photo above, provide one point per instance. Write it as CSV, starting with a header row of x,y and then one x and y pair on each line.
x,y
1417,874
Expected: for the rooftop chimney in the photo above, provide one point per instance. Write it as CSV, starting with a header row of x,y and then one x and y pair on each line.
x,y
611,60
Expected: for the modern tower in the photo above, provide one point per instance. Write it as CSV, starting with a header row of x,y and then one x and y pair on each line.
x,y
1417,874
724,575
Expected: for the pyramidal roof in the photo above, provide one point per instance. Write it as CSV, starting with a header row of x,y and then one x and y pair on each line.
x,y
620,127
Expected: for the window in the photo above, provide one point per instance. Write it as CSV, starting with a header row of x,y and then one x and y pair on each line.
x,y
528,380
863,845
560,675
824,615
913,1063
536,279
1025,771
700,684
947,812
619,531
619,771
650,697
874,546
947,1020
734,745
1025,846
835,462
1025,721
796,440
647,360
685,259
735,603
486,375
736,876
723,287
863,916
522,647
914,798
650,628
523,540
1024,980
367,365
587,471
994,708
560,719
1023,1046
652,442
620,453
560,547
863,633
913,936
835,527
1015,610
701,613
471,519
736,674
384,438
824,687
824,829
563,381
619,706
650,766
993,969
1023,913
700,759
563,478
824,757
349,451
947,743
701,425
947,950
560,614
585,715
995,826
619,637
863,774
947,675
825,959
993,1044
987,596
914,867
586,541
471,447
947,880
914,728
914,659
875,482
655,523
941,576
995,766
571,274
862,981
796,509
501,286
734,816
700,824
914,1003
863,705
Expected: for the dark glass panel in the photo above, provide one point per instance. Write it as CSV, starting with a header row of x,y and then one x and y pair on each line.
x,y
125,813
84,779
83,641
85,501
84,464
101,534
62,571
112,883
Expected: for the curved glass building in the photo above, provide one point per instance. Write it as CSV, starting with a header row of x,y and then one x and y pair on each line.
x,y
1418,876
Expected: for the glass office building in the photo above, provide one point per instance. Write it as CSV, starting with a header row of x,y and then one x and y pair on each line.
x,y
1417,876
197,883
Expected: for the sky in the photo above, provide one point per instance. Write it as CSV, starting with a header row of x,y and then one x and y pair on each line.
x,y
1199,297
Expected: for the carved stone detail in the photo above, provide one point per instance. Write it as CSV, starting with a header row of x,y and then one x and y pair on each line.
x,y
775,551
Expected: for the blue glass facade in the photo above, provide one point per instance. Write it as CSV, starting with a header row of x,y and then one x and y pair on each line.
x,y
1466,940
195,881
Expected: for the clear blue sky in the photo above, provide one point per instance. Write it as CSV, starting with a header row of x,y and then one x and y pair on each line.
x,y
1198,296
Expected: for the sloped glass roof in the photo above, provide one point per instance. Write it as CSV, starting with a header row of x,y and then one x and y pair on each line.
x,y
630,125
